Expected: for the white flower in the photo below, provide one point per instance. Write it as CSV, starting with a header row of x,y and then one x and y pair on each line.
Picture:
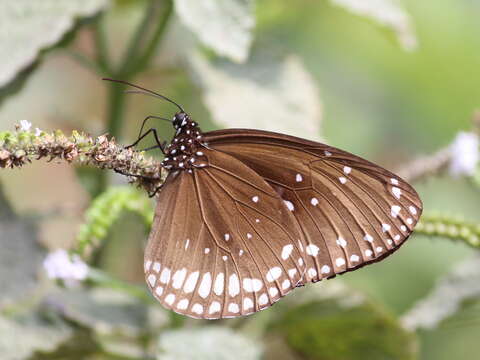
x,y
60,265
25,125
37,132
464,152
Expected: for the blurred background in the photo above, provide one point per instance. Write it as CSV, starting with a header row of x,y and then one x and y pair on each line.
x,y
391,81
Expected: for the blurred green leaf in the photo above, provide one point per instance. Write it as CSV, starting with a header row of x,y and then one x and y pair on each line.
x,y
332,322
103,310
225,26
388,13
20,256
271,93
31,27
453,290
21,337
205,343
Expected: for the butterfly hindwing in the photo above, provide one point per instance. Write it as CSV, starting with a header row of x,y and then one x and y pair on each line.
x,y
222,244
351,211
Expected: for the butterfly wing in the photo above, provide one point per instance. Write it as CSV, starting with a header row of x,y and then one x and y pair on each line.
x,y
222,245
351,211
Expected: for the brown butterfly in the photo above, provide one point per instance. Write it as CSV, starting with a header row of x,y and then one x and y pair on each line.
x,y
245,216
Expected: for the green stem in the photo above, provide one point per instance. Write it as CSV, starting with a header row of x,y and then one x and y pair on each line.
x,y
102,54
136,41
449,227
152,46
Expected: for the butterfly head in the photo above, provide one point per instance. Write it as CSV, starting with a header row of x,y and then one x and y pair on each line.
x,y
180,120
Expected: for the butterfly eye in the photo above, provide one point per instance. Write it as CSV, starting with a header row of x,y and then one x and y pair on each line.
x,y
180,120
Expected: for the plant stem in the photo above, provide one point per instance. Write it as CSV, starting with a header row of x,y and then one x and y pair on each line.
x,y
152,46
129,59
102,55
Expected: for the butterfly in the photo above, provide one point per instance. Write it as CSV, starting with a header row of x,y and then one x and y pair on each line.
x,y
246,216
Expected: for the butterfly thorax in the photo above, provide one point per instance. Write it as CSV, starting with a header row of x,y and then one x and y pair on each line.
x,y
185,150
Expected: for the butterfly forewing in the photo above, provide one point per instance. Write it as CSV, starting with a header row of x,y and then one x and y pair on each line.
x,y
351,211
223,244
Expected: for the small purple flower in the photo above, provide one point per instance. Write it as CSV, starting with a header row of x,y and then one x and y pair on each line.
x,y
60,265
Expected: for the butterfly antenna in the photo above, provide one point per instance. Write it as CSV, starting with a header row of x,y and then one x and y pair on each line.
x,y
152,93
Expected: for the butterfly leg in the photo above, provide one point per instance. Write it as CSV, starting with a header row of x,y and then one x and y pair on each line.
x,y
160,145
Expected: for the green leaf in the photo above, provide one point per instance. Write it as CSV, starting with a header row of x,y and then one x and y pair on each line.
x,y
270,93
20,258
32,27
448,296
104,311
225,26
21,337
335,323
388,13
212,342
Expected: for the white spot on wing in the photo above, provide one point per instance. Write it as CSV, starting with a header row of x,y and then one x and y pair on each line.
x,y
147,265
312,272
233,308
191,282
342,179
312,249
368,238
165,275
354,258
347,169
394,181
386,227
285,284
233,285
247,303
396,192
263,299
286,251
207,250
205,285
289,205
314,201
273,274
255,199
395,210
219,284
214,307
298,178
368,253
341,242
170,299
156,267
152,279
197,309
227,237
325,269
412,210
159,290
182,304
292,272
252,285
340,261
179,278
